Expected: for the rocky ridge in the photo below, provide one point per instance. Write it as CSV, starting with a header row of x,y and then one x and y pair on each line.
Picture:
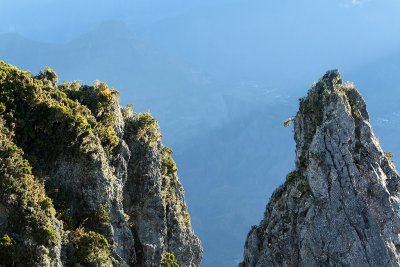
x,y
340,207
84,181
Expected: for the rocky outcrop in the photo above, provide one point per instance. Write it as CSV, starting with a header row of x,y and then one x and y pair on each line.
x,y
84,181
340,207
153,197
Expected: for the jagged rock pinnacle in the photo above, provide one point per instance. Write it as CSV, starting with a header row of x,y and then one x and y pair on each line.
x,y
340,207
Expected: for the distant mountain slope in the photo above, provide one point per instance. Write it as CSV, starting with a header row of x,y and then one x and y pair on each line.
x,y
220,106
237,164
265,40
211,125
111,46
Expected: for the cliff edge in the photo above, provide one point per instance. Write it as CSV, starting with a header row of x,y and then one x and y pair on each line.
x,y
340,207
84,182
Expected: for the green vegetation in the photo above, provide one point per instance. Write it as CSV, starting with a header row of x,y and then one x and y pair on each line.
x,y
33,215
168,260
60,201
291,177
126,111
69,116
8,250
147,129
102,214
102,102
297,179
168,164
40,120
170,188
91,248
48,75
37,111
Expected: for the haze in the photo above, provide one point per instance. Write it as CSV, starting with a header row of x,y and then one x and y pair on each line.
x,y
221,77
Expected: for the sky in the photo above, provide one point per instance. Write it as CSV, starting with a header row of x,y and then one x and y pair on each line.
x,y
48,17
58,20
328,31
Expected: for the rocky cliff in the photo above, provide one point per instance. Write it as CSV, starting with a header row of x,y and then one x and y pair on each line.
x,y
340,207
84,182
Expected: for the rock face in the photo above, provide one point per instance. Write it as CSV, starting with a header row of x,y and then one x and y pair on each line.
x,y
340,207
84,181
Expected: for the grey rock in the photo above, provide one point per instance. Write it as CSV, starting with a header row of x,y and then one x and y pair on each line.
x,y
348,211
129,183
153,199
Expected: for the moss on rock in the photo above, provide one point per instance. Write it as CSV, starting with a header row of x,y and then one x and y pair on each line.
x,y
168,260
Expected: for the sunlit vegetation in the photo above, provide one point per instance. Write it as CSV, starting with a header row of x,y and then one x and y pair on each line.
x,y
168,164
168,260
91,248
39,121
